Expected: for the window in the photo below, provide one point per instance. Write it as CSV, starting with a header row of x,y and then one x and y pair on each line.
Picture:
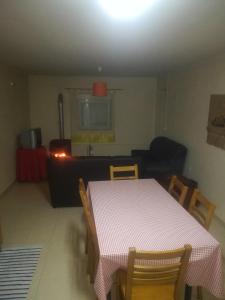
x,y
95,113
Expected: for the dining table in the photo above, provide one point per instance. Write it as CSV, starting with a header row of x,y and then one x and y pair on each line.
x,y
140,213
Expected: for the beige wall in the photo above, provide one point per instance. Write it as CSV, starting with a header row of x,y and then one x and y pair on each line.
x,y
186,102
134,110
14,117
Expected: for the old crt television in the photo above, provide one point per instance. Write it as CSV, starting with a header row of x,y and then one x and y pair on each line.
x,y
30,138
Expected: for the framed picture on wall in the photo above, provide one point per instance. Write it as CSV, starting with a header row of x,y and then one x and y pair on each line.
x,y
216,121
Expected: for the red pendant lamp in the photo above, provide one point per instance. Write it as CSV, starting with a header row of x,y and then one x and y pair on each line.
x,y
99,88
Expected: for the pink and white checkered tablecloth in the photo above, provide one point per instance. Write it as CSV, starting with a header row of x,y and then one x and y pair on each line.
x,y
140,213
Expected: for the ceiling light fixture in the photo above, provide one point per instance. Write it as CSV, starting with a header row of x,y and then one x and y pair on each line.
x,y
99,88
124,9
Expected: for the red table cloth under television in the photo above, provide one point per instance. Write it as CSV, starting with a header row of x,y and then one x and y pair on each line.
x,y
31,164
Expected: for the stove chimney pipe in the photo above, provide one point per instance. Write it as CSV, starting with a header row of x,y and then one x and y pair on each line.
x,y
61,116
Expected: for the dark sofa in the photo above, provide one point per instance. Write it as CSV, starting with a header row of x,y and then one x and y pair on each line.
x,y
63,175
165,157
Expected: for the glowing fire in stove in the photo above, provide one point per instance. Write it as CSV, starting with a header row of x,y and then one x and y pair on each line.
x,y
60,154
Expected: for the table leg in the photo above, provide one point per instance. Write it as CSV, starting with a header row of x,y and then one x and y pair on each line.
x,y
109,296
188,292
114,289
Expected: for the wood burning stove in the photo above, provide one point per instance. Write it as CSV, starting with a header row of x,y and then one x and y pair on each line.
x,y
60,147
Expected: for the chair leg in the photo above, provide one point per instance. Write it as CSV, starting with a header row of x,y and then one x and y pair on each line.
x,y
92,279
115,287
199,293
188,292
88,266
91,262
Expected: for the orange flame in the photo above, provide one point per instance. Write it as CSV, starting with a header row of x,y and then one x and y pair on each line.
x,y
60,155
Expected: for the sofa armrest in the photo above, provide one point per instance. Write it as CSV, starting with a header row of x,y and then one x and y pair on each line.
x,y
142,153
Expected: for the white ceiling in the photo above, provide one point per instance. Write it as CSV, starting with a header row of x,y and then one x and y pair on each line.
x,y
71,37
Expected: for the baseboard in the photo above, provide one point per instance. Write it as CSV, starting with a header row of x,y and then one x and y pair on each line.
x,y
4,190
219,220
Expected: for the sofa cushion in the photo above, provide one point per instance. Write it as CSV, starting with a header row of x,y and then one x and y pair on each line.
x,y
155,168
162,148
165,157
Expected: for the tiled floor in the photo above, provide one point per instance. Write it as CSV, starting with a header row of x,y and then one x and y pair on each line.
x,y
27,218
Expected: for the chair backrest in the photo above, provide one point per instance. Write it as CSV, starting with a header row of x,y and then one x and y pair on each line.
x,y
82,185
119,172
83,195
201,209
177,189
157,268
92,234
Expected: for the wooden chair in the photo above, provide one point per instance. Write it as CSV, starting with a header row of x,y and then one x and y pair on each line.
x,y
157,275
122,170
86,206
202,210
177,189
84,200
81,185
92,241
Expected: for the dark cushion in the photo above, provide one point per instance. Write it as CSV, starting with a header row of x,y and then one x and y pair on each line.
x,y
153,168
140,153
162,148
164,157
